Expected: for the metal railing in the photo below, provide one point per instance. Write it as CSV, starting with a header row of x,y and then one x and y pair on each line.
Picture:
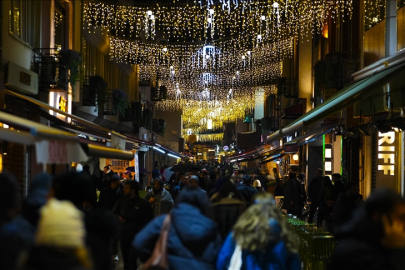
x,y
52,73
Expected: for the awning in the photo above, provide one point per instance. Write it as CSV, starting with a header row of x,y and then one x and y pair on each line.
x,y
312,135
272,158
348,96
48,107
53,146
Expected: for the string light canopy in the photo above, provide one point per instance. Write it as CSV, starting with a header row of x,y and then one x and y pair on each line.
x,y
211,55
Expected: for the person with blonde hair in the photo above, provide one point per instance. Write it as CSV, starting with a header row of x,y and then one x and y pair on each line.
x,y
261,239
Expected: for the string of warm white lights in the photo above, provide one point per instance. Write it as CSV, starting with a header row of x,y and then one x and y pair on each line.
x,y
374,12
251,21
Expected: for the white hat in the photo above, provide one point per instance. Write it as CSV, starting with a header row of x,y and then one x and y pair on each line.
x,y
61,224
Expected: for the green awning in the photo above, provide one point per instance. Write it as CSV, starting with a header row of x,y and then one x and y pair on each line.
x,y
346,97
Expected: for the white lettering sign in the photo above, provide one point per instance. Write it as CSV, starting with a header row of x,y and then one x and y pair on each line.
x,y
386,152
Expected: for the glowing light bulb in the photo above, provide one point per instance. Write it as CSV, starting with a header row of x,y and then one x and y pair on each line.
x,y
275,5
164,49
209,20
149,12
152,17
263,17
211,11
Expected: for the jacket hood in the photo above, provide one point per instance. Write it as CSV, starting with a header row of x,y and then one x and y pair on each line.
x,y
40,187
192,226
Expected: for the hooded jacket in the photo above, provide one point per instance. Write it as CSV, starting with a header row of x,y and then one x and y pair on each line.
x,y
193,243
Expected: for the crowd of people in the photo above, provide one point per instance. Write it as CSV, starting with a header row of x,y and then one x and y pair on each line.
x,y
219,219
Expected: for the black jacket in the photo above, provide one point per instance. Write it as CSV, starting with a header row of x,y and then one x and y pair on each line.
x,y
343,209
226,212
290,194
247,192
314,189
109,197
137,213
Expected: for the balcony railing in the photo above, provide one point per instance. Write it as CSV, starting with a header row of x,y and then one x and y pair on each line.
x,y
270,124
109,108
288,87
130,113
52,73
88,92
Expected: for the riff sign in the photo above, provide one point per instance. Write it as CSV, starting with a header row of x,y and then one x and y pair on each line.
x,y
386,152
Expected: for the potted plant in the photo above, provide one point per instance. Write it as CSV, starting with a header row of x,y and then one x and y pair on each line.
x,y
120,101
100,87
71,60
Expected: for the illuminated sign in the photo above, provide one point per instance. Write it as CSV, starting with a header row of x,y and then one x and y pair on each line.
x,y
386,152
62,104
226,148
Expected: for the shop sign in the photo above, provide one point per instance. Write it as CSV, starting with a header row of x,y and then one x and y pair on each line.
x,y
226,148
386,152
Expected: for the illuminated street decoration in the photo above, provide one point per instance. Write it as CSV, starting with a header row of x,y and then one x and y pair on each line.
x,y
386,152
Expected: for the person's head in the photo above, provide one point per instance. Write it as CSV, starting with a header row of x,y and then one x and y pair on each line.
x,y
329,201
301,177
74,187
194,180
106,169
257,184
9,197
228,189
247,180
127,175
326,181
318,173
131,189
292,176
109,166
261,223
351,189
181,176
275,171
186,179
157,185
114,181
336,177
86,168
195,197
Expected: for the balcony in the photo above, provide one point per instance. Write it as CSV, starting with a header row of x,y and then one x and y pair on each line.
x,y
288,87
88,93
52,72
159,126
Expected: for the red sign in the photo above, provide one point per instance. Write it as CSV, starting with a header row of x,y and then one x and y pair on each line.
x,y
57,152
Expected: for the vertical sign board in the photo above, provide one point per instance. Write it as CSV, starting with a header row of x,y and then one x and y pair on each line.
x,y
386,160
136,177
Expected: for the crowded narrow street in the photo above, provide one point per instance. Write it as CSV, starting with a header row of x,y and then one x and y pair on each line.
x,y
202,134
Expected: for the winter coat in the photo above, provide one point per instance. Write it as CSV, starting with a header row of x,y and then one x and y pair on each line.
x,y
193,243
343,209
226,212
12,245
50,258
275,257
137,213
290,195
109,197
163,201
314,189
359,248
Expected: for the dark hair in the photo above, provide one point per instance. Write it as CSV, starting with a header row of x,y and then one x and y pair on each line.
x,y
195,197
241,172
106,167
349,185
74,187
292,175
133,185
301,176
330,198
86,168
337,175
247,178
229,187
114,178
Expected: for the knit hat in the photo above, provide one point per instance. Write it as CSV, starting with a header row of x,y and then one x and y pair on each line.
x,y
61,225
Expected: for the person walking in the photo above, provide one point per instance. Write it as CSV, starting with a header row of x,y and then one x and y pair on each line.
x,y
134,213
260,239
290,202
159,198
112,193
247,190
193,241
314,190
375,238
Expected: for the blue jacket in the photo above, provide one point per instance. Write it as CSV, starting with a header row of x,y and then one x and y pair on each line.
x,y
276,256
193,243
